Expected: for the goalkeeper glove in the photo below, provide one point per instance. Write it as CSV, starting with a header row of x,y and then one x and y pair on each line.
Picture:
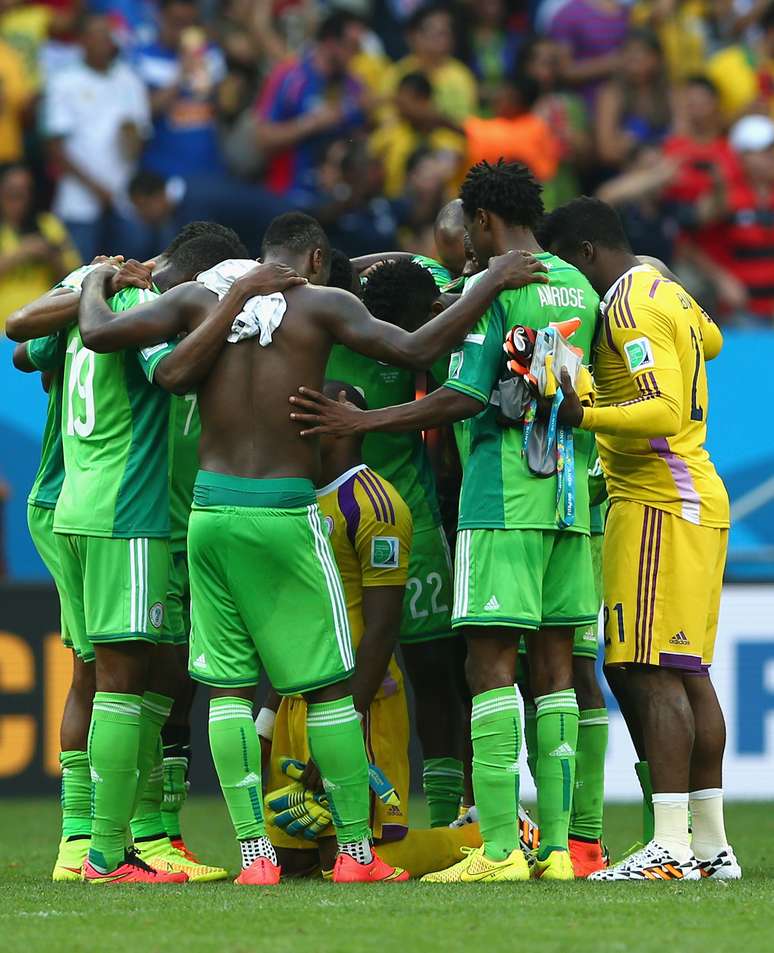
x,y
296,810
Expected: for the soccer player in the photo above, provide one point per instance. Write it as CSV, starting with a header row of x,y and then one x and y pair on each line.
x,y
46,354
112,525
402,293
666,537
516,570
256,491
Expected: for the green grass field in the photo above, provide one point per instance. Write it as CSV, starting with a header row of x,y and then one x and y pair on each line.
x,y
316,917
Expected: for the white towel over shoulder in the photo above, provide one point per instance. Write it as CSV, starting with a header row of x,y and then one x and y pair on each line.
x,y
261,315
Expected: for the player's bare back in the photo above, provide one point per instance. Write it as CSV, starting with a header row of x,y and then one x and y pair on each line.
x,y
246,430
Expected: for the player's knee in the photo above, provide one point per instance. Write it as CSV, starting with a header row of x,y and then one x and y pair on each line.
x,y
84,681
483,678
587,690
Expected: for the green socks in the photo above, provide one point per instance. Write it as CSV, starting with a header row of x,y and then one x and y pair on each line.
x,y
236,752
557,739
146,817
76,794
114,742
337,747
648,823
176,743
495,732
530,736
443,780
588,794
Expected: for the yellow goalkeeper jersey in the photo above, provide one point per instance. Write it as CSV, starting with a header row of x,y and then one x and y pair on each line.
x,y
650,416
370,530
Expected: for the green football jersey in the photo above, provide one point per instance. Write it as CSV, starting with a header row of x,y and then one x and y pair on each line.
x,y
184,431
498,490
48,354
440,272
115,436
400,458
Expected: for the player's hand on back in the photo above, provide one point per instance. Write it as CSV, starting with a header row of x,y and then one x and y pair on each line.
x,y
267,278
319,414
133,274
515,269
116,260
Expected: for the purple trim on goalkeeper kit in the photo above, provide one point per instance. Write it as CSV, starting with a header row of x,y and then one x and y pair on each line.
x,y
690,499
393,832
350,508
687,663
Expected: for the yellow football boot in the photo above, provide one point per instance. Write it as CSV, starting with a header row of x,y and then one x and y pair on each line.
x,y
475,867
557,866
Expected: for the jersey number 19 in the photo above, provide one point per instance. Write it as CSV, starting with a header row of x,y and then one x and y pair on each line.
x,y
81,378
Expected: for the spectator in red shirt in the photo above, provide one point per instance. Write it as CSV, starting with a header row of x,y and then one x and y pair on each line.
x,y
748,232
705,166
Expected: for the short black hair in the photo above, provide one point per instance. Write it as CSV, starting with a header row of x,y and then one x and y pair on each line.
x,y
296,232
508,189
583,219
147,183
342,273
401,292
332,388
418,17
205,252
213,230
417,83
699,79
334,26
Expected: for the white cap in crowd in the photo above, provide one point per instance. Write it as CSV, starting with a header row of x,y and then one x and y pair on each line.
x,y
752,134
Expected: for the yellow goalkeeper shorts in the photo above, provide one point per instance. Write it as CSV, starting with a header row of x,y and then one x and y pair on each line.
x,y
386,731
662,579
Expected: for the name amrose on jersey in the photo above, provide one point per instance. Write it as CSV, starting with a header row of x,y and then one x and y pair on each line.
x,y
552,296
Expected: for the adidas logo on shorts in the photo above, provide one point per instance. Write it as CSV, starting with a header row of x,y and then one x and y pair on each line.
x,y
679,638
564,750
201,662
492,604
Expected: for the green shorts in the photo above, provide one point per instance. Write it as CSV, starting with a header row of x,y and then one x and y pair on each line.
x,y
265,590
427,603
116,589
40,521
523,579
177,616
586,643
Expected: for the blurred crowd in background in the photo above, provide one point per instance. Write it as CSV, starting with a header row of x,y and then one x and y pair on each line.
x,y
120,120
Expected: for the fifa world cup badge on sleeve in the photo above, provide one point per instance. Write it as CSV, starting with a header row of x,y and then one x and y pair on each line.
x,y
385,552
639,355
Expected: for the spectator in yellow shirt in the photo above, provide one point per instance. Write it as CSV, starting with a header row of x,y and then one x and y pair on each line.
x,y
35,249
744,74
430,34
14,98
394,143
26,27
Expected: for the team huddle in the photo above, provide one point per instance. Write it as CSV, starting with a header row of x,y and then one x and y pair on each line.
x,y
235,485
